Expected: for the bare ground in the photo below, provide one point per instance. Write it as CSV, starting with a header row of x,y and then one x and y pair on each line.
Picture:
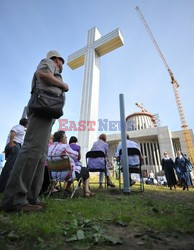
x,y
137,238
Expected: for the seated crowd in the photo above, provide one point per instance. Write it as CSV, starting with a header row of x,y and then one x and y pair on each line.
x,y
59,150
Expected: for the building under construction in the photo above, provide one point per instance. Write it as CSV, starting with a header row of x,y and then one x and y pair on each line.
x,y
154,140
186,132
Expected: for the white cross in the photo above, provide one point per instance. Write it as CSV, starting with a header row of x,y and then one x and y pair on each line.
x,y
90,57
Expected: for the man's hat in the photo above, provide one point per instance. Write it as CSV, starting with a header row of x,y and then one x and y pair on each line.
x,y
54,53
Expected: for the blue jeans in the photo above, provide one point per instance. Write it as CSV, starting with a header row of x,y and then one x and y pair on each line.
x,y
11,155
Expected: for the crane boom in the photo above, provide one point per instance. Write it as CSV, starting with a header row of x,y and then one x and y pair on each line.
x,y
155,118
151,36
140,105
175,85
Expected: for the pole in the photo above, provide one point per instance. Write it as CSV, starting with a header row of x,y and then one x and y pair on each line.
x,y
124,159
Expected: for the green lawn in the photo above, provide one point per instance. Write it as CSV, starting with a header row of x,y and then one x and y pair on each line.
x,y
102,221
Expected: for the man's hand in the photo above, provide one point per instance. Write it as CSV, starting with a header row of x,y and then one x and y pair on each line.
x,y
11,142
66,87
51,80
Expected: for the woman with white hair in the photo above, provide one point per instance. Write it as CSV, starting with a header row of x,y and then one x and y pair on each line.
x,y
96,163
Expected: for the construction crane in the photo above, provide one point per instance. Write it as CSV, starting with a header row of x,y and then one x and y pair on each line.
x,y
140,105
175,85
155,117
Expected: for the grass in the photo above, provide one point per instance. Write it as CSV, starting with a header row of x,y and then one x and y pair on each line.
x,y
67,222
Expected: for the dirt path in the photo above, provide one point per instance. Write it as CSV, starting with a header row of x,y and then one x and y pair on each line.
x,y
134,238
137,238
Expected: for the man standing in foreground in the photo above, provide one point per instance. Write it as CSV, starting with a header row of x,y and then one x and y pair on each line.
x,y
23,187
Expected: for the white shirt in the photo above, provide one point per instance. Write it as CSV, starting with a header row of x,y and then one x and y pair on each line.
x,y
132,160
152,175
20,133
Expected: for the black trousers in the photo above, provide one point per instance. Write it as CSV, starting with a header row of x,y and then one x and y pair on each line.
x,y
84,173
46,181
11,154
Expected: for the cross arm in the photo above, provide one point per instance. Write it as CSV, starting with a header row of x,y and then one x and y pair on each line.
x,y
76,59
109,42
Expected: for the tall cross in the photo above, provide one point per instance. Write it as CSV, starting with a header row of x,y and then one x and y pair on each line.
x,y
89,56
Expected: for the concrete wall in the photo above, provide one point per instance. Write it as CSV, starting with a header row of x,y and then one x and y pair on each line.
x,y
165,141
157,135
179,134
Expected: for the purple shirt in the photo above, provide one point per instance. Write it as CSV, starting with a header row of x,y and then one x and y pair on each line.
x,y
97,163
76,148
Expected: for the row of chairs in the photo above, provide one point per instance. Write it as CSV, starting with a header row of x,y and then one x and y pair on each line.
x,y
64,165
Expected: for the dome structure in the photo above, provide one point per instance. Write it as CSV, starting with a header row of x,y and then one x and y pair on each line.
x,y
140,120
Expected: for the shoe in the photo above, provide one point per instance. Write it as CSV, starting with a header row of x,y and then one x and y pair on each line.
x,y
110,184
68,191
39,203
132,182
36,202
29,208
87,195
91,193
54,190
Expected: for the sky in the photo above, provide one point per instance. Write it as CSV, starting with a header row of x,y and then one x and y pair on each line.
x,y
29,29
